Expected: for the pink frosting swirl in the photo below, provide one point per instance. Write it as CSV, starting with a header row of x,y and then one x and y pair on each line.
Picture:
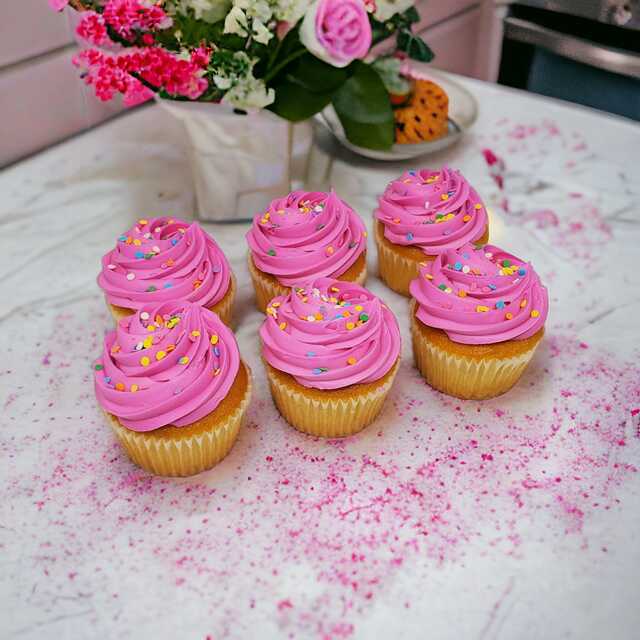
x,y
330,334
170,364
480,295
163,259
306,235
432,210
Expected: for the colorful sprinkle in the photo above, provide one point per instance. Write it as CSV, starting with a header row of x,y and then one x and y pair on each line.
x,y
161,354
120,386
131,276
482,309
409,236
500,304
272,252
523,303
466,218
351,360
184,360
350,326
195,333
214,339
458,266
144,361
283,326
134,388
535,313
508,316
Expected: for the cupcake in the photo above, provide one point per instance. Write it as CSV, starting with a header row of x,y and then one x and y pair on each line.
x,y
163,259
173,387
331,350
421,215
478,314
304,236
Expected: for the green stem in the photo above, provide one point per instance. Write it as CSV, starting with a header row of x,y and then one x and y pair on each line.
x,y
281,65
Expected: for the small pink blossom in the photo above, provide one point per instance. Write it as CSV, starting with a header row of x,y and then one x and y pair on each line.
x,y
126,17
136,93
92,28
58,5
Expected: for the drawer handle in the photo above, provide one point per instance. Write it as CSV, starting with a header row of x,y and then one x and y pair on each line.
x,y
567,46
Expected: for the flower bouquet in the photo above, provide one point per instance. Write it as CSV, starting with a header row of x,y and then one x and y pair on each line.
x,y
291,58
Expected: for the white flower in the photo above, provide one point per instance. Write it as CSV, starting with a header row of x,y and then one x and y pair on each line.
x,y
260,32
249,94
258,9
208,10
385,9
290,10
236,22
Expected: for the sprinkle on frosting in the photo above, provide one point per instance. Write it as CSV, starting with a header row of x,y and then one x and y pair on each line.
x,y
432,210
306,235
164,259
175,381
497,298
336,334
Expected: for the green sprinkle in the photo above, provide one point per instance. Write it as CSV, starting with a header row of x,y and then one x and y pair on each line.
x,y
442,287
99,367
272,252
364,317
151,288
506,263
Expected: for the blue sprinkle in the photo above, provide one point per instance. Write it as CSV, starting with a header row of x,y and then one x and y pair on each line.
x,y
122,238
492,287
409,236
346,304
167,285
522,272
107,379
465,256
139,254
311,354
499,304
412,173
216,351
338,316
458,266
174,241
316,372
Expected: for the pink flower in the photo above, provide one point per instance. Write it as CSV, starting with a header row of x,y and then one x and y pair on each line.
x,y
126,17
58,5
136,93
337,31
92,29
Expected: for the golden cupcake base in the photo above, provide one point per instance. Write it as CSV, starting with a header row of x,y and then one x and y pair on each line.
x,y
470,372
267,286
398,264
185,451
223,308
329,413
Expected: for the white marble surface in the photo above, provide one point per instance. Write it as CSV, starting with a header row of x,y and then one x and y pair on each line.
x,y
512,518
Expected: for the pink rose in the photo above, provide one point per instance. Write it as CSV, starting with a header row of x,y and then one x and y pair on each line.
x,y
337,31
58,5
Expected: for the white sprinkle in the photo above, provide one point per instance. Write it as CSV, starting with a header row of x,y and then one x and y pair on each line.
x,y
139,346
488,255
466,269
131,276
147,236
111,266
311,318
144,316
155,249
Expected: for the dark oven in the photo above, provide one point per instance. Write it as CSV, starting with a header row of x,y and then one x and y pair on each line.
x,y
584,51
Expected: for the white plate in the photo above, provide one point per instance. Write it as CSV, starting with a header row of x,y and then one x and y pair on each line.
x,y
463,112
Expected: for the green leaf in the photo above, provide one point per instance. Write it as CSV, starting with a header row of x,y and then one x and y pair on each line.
x,y
316,76
295,103
414,46
364,109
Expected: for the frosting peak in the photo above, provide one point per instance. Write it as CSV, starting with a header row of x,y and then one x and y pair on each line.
x,y
169,364
162,259
432,210
480,295
306,235
330,334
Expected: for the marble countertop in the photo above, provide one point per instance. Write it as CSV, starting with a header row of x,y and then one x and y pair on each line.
x,y
511,518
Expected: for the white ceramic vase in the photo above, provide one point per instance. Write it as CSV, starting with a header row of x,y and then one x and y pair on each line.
x,y
239,163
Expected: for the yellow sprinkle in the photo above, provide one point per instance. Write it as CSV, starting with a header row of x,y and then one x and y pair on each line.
x,y
137,242
147,342
283,325
535,314
329,249
428,276
364,234
119,386
444,196
160,355
318,316
508,316
350,325
351,360
195,333
184,360
144,361
214,339
275,304
477,206
358,307
142,221
462,293
346,313
134,388
481,308
523,304
466,218
271,311
170,348
151,327
335,289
